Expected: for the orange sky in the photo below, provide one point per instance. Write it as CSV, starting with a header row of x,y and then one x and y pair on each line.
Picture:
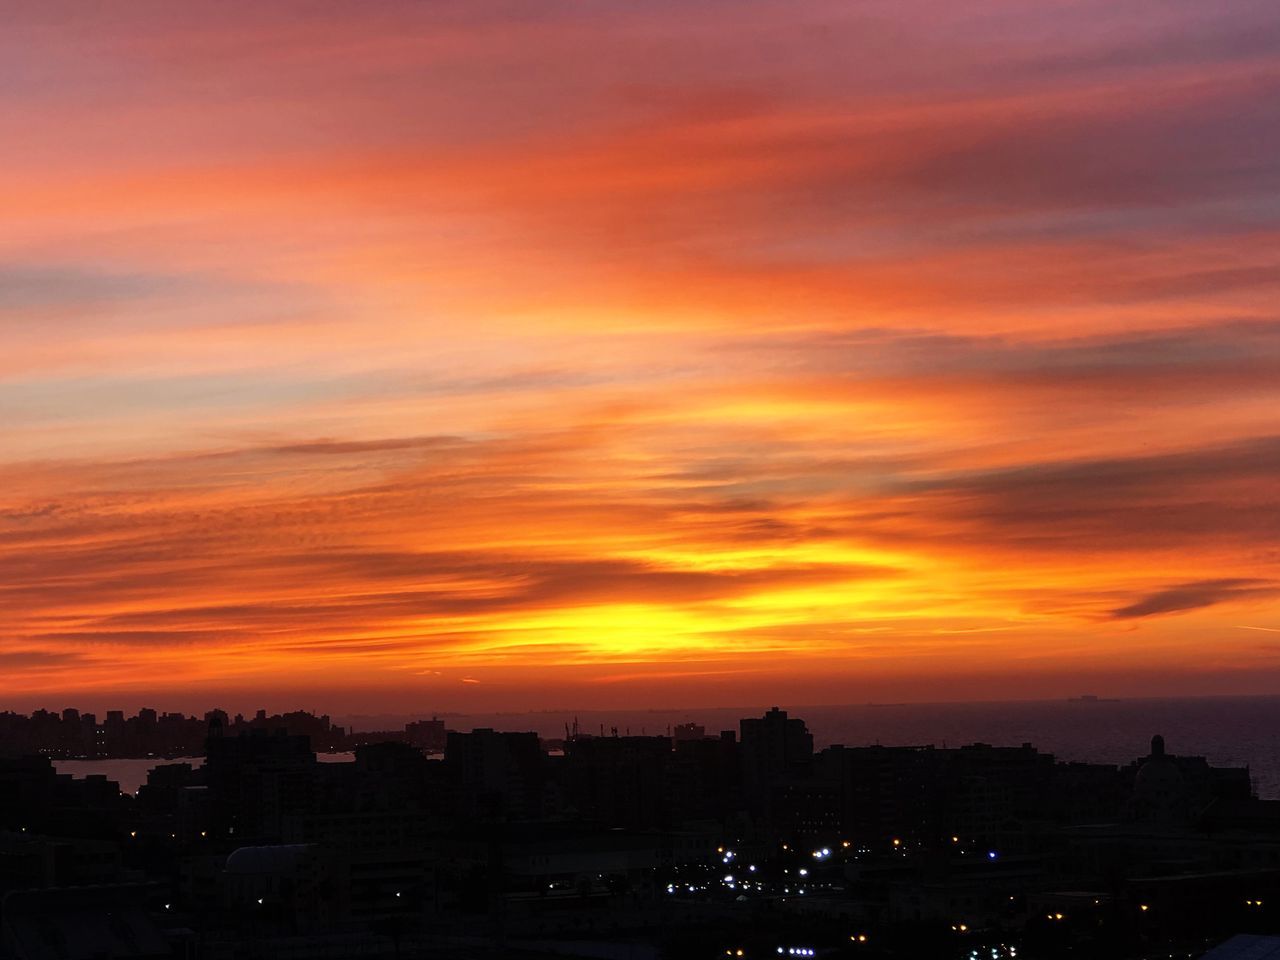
x,y
445,356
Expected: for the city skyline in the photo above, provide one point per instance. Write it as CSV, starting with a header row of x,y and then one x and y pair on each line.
x,y
756,841
526,357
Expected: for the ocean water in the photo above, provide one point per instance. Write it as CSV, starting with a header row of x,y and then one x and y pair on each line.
x,y
1229,731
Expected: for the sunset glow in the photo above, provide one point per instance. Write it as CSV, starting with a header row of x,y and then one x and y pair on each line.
x,y
531,355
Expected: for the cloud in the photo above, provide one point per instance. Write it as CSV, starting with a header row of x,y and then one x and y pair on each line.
x,y
1218,494
39,659
339,447
1196,596
350,345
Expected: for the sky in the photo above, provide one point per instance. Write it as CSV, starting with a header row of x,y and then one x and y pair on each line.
x,y
421,355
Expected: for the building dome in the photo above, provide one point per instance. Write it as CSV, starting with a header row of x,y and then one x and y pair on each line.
x,y
281,860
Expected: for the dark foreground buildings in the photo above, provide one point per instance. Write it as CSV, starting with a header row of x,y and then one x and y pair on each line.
x,y
739,844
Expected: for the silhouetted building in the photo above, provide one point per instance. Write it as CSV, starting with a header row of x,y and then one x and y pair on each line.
x,y
429,735
1175,790
257,782
773,748
87,923
620,781
497,774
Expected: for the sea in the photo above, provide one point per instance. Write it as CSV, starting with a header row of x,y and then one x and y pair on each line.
x,y
1228,731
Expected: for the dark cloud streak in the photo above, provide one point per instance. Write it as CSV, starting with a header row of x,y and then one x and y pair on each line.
x,y
1196,596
